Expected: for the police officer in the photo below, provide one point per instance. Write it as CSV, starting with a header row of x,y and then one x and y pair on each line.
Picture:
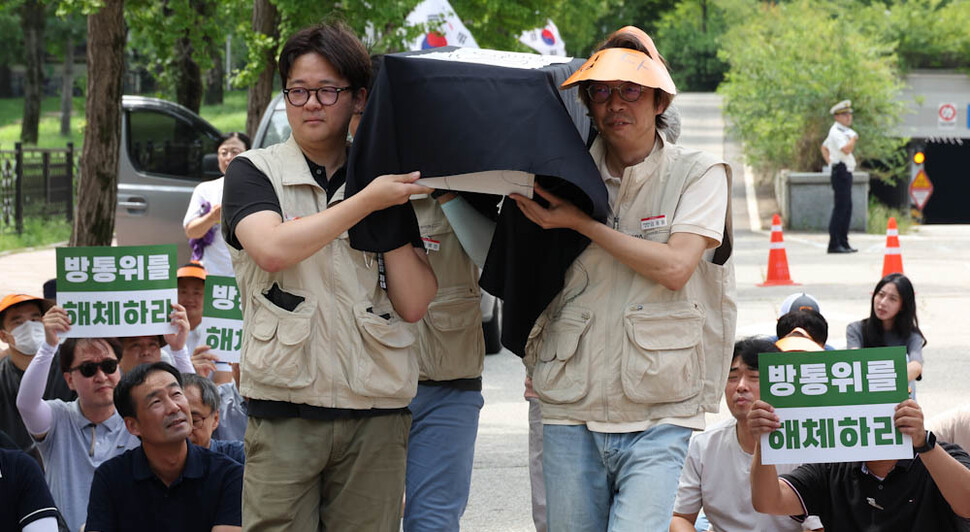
x,y
837,151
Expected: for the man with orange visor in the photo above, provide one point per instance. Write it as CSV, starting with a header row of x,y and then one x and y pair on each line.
x,y
636,347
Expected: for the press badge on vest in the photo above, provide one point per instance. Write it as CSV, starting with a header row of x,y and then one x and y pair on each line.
x,y
431,245
653,222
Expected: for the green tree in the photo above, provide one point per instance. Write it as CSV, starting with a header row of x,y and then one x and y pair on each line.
x,y
182,37
494,24
11,45
928,33
33,15
788,64
691,36
98,173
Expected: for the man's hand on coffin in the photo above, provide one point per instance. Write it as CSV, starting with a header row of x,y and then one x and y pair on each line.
x,y
392,189
559,214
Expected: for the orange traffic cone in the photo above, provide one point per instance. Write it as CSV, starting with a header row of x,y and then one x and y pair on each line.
x,y
777,258
892,261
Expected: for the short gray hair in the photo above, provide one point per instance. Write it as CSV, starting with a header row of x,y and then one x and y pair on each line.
x,y
207,389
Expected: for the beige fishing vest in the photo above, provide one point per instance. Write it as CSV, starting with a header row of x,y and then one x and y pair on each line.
x,y
450,341
616,347
343,346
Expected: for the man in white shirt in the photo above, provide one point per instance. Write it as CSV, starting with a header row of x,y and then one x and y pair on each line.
x,y
715,474
837,151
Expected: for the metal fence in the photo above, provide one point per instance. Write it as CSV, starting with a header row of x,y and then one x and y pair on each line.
x,y
35,182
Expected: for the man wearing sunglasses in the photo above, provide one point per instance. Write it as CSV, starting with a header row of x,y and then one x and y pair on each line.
x,y
637,345
74,437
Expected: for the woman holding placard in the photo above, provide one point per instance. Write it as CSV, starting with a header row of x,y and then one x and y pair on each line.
x,y
892,322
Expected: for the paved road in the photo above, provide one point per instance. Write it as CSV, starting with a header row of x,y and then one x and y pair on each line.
x,y
935,257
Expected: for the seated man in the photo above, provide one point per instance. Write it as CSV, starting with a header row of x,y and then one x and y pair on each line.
x,y
203,399
74,437
191,295
167,483
953,426
715,474
233,408
27,503
22,329
809,321
136,350
928,492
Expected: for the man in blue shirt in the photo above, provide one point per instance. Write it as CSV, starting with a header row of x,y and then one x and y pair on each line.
x,y
168,483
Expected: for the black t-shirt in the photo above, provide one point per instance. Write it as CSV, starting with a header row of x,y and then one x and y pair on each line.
x,y
24,496
10,377
252,192
847,499
126,494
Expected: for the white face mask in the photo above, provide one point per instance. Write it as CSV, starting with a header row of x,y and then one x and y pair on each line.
x,y
28,337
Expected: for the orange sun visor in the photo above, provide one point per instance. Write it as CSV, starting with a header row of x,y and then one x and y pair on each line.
x,y
623,64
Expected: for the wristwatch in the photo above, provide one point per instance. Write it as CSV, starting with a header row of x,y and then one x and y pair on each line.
x,y
929,445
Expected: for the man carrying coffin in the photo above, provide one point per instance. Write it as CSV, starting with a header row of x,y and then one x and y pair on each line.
x,y
618,409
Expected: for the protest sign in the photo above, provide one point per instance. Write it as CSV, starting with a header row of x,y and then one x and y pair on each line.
x,y
834,406
222,319
117,291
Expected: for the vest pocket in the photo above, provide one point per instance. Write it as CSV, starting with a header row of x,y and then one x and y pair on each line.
x,y
561,374
661,358
453,329
385,367
278,353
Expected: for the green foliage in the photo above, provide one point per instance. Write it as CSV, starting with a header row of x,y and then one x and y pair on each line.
x,y
380,23
156,26
879,215
788,64
928,33
689,37
37,232
228,116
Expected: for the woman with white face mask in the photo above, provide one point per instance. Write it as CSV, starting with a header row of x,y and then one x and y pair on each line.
x,y
22,331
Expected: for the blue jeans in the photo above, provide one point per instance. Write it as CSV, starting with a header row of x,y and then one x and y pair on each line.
x,y
618,482
441,449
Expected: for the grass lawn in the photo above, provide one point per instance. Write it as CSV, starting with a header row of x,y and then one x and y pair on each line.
x,y
37,232
230,116
49,131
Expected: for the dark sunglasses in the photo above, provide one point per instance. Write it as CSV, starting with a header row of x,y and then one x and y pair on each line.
x,y
88,369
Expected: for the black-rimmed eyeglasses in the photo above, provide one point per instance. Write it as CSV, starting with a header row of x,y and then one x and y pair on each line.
x,y
299,96
88,369
600,92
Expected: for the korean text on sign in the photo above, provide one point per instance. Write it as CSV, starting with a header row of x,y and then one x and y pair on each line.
x,y
117,291
222,318
834,406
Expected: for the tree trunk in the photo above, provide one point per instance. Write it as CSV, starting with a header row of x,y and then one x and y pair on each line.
x,y
188,76
67,89
216,76
98,182
32,20
265,21
5,76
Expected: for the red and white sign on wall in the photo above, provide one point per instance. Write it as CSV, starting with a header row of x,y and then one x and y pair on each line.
x,y
947,116
920,189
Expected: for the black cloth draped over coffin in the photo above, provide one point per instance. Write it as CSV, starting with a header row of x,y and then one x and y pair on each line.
x,y
447,118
